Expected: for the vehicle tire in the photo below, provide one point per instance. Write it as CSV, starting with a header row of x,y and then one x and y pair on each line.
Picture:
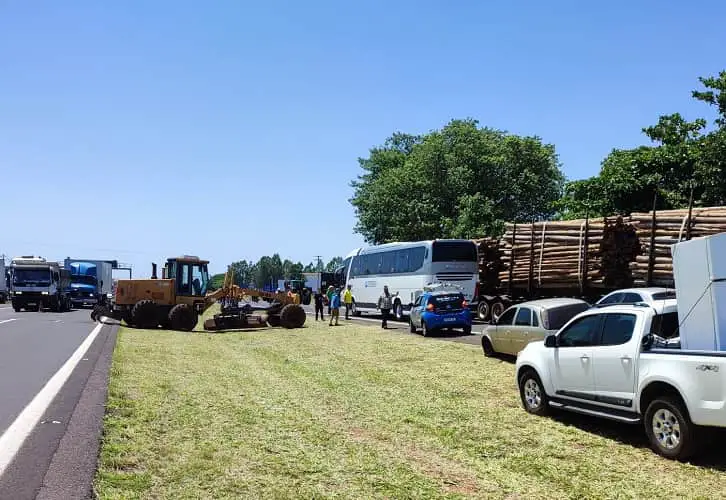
x,y
487,347
531,391
182,317
483,310
17,309
354,309
273,320
398,310
411,326
425,331
497,310
669,429
144,314
305,297
292,316
467,330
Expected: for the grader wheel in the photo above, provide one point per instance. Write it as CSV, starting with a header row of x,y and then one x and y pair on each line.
x,y
292,316
183,318
144,314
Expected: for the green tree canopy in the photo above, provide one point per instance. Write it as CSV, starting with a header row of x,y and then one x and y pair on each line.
x,y
460,181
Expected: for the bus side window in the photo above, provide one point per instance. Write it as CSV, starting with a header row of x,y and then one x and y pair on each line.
x,y
402,261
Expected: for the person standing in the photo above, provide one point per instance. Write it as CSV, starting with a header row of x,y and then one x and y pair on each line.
x,y
348,301
329,294
384,304
319,302
335,307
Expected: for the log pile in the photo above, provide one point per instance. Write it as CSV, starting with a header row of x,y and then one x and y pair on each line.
x,y
561,254
671,226
490,261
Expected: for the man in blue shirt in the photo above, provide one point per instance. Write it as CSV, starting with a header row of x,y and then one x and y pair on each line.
x,y
335,307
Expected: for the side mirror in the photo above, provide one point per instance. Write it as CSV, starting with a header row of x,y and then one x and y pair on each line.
x,y
550,341
647,342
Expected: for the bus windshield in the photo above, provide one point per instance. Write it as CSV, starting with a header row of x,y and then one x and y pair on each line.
x,y
453,251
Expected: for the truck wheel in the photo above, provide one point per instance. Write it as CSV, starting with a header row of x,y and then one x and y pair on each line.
x,y
273,320
487,347
669,429
467,330
305,297
143,315
497,309
17,309
534,398
483,310
183,318
292,316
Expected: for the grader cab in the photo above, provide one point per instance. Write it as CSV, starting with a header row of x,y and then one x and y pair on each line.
x,y
176,300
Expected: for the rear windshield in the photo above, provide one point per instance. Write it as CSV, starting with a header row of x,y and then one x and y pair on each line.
x,y
454,300
453,251
665,325
670,294
558,316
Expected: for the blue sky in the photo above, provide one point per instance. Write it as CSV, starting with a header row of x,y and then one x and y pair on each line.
x,y
139,130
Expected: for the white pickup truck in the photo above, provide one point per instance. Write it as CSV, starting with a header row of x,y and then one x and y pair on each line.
x,y
604,363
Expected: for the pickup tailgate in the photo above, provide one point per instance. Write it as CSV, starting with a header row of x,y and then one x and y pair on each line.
x,y
699,376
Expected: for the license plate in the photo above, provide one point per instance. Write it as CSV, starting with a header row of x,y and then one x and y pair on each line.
x,y
449,319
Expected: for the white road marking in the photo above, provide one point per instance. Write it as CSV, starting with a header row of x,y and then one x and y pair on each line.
x,y
15,435
8,320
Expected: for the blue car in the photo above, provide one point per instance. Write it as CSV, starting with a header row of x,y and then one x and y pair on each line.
x,y
436,310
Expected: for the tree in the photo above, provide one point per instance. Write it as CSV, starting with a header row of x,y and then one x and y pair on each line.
x,y
215,282
333,264
243,273
460,181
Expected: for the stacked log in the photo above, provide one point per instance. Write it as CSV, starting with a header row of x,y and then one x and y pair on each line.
x,y
568,254
671,226
490,261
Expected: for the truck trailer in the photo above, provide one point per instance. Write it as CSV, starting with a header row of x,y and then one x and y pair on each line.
x,y
37,284
91,281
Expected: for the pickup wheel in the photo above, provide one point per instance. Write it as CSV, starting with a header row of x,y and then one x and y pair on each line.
x,y
534,399
669,429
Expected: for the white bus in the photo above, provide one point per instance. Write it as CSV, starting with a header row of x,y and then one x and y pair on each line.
x,y
406,268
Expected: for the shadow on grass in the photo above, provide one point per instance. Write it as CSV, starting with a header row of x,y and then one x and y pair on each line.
x,y
710,455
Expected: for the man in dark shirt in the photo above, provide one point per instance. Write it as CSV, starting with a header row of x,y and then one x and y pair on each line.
x,y
319,302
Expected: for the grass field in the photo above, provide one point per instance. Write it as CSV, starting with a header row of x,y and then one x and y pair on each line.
x,y
355,412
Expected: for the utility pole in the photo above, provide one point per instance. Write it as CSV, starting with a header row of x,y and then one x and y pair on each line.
x,y
320,262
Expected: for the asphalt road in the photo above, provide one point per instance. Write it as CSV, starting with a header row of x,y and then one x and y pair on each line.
x,y
53,379
402,326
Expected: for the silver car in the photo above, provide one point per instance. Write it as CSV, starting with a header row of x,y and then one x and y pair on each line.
x,y
529,322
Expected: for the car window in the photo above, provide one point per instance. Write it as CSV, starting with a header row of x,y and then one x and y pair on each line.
x,y
524,317
557,317
583,332
612,299
507,317
535,319
665,325
617,329
448,301
670,294
632,298
418,301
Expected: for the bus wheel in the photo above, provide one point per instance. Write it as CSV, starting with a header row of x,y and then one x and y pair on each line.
x,y
354,309
398,311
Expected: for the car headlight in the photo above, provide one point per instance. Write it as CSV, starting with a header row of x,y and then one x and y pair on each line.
x,y
18,293
109,295
44,293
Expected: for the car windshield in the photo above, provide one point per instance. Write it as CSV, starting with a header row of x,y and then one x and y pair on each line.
x,y
86,280
454,300
558,316
35,276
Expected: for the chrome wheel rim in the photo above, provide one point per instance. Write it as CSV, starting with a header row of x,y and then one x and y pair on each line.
x,y
666,429
532,394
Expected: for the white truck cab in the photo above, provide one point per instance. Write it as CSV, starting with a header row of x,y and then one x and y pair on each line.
x,y
604,363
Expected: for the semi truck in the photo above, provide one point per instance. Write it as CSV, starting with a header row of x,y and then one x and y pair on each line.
x,y
37,284
3,282
91,281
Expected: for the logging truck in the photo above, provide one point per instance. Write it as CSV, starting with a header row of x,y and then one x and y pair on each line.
x,y
585,258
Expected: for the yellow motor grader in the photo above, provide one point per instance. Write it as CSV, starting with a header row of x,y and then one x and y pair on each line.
x,y
177,299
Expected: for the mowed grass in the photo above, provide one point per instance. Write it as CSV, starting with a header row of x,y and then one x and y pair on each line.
x,y
354,412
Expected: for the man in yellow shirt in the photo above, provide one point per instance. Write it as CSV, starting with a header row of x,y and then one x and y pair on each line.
x,y
347,300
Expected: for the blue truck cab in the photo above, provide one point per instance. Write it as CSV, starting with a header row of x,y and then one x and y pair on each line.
x,y
91,281
439,308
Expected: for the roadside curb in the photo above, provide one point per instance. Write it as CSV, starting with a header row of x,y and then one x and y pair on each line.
x,y
74,463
